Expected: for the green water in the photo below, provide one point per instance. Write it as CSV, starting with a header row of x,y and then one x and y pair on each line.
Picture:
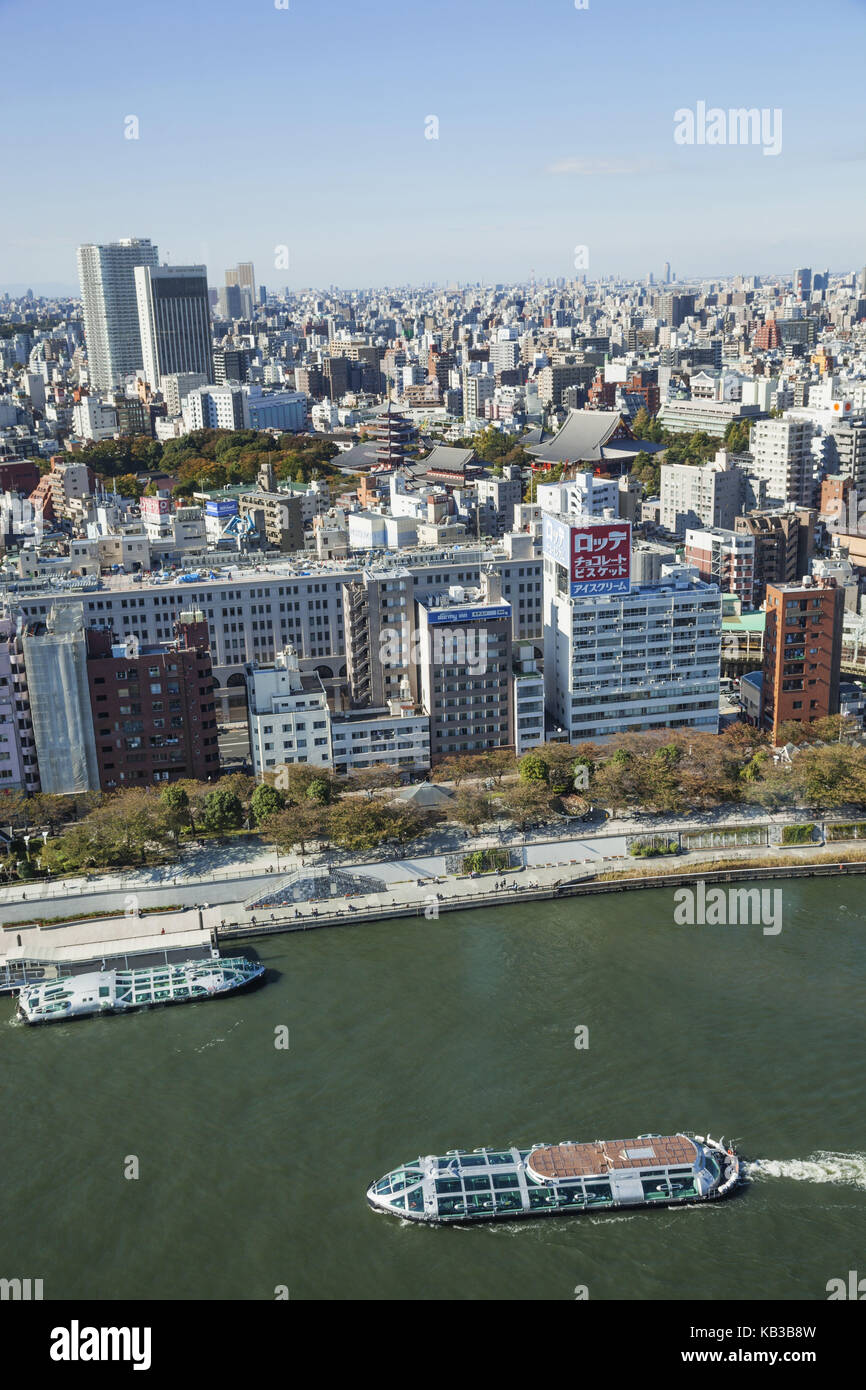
x,y
416,1037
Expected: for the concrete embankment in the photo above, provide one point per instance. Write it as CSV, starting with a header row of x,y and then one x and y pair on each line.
x,y
348,916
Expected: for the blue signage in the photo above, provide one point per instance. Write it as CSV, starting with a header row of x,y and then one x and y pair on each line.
x,y
600,586
469,615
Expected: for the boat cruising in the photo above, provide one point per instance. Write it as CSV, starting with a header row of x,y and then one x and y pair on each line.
x,y
120,991
548,1179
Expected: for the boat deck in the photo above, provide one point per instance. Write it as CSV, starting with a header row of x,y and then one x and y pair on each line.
x,y
585,1160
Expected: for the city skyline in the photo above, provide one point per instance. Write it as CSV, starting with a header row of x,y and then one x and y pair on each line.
x,y
472,170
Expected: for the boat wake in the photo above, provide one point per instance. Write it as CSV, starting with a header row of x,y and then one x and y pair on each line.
x,y
848,1170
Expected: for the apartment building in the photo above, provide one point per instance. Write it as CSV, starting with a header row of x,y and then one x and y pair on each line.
x,y
802,652
153,706
287,713
723,557
784,545
708,494
782,455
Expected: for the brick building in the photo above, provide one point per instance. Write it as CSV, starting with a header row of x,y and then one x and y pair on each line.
x,y
802,652
153,706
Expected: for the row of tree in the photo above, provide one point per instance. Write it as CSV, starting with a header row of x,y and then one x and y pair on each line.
x,y
667,772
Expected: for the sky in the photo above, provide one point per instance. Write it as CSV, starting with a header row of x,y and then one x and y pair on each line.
x,y
301,134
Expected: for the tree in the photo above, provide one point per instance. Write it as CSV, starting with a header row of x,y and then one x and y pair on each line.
x,y
359,824
320,790
297,825
175,803
500,763
127,485
375,778
526,803
457,768
406,822
471,809
240,784
222,811
533,767
266,801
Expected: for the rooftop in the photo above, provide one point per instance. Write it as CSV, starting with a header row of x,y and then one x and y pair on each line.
x,y
602,1156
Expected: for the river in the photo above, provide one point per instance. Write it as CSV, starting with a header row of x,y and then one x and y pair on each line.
x,y
417,1036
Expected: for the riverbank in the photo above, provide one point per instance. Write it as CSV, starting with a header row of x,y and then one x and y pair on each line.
x,y
295,919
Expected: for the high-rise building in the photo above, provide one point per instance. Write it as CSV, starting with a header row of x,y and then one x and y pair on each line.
x,y
620,656
378,618
782,455
244,276
463,672
802,282
111,328
707,494
802,652
174,321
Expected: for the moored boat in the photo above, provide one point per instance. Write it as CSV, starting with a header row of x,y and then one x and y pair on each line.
x,y
550,1179
121,991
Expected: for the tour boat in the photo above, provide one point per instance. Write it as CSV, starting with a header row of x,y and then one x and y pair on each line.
x,y
550,1179
119,991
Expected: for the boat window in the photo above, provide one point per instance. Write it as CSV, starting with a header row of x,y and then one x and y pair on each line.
x,y
451,1206
505,1180
415,1200
508,1201
541,1198
444,1185
477,1184
503,1157
473,1161
104,992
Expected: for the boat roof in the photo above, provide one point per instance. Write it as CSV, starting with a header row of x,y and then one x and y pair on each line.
x,y
606,1155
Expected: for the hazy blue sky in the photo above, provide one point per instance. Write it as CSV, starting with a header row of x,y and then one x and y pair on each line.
x,y
262,127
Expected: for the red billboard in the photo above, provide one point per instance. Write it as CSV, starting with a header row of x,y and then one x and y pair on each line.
x,y
601,558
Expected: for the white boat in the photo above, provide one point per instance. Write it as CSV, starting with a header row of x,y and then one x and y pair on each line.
x,y
121,991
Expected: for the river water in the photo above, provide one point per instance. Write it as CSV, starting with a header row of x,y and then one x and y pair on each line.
x,y
416,1037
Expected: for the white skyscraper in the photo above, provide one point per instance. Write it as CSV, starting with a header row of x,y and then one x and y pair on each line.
x,y
111,331
174,321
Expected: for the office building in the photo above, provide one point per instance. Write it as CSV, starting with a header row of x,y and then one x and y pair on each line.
x,y
174,321
462,674
621,657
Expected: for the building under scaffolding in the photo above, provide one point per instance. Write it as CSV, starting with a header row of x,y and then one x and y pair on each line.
x,y
55,658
